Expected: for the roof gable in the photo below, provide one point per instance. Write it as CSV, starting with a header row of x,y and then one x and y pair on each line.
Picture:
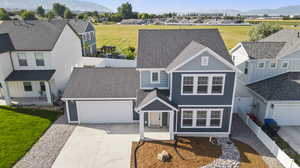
x,y
158,48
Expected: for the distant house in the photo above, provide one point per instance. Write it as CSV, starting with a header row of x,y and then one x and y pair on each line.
x,y
36,59
88,36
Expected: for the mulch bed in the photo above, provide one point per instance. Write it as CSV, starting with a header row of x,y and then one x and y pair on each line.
x,y
249,157
192,152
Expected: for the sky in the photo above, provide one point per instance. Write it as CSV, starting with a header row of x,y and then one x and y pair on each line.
x,y
161,6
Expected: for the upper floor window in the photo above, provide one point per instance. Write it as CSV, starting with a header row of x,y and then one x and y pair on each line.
x,y
273,65
39,59
204,61
212,84
285,64
260,65
22,59
27,86
155,77
202,118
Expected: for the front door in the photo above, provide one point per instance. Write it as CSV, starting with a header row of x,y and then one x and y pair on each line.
x,y
155,119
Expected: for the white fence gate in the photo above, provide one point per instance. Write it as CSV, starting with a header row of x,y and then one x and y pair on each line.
x,y
283,158
243,105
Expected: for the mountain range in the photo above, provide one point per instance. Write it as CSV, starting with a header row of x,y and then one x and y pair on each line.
x,y
74,5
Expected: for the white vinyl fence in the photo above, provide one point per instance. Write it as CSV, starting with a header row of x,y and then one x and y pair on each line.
x,y
106,62
283,158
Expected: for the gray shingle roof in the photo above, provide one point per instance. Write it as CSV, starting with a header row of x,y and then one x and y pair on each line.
x,y
282,87
33,35
188,52
79,26
102,83
261,50
289,36
158,48
30,75
5,43
144,96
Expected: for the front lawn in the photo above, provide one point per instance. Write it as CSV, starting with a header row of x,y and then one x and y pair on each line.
x,y
20,128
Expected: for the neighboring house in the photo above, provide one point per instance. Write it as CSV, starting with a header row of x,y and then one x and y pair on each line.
x,y
88,36
36,59
271,69
184,80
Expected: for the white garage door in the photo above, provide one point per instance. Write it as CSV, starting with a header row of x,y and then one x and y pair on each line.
x,y
287,114
105,111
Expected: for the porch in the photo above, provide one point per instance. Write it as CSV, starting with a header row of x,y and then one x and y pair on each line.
x,y
28,87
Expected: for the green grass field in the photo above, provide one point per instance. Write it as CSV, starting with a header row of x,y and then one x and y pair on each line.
x,y
20,128
123,36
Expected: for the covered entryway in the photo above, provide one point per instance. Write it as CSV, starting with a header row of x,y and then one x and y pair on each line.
x,y
105,111
287,115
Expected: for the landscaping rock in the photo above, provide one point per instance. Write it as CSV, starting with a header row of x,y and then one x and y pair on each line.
x,y
164,156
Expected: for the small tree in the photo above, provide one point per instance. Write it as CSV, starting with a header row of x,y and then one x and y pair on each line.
x,y
3,14
68,14
28,15
263,30
50,15
59,9
129,52
40,11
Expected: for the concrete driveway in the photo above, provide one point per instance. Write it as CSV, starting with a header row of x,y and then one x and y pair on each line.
x,y
94,146
105,146
291,134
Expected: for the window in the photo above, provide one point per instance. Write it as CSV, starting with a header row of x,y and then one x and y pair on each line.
x,y
204,61
27,86
202,118
22,59
39,59
187,118
155,77
217,84
202,85
246,68
285,64
43,87
188,85
261,65
208,84
272,65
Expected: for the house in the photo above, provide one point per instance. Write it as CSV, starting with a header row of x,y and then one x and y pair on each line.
x,y
36,60
88,36
184,81
271,76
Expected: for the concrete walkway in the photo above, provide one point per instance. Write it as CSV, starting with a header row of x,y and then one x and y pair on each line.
x,y
241,132
292,136
45,151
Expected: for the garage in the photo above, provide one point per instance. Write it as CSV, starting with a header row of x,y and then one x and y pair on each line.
x,y
105,111
287,114
101,95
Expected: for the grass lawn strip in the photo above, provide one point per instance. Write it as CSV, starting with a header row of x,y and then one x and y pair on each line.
x,y
20,128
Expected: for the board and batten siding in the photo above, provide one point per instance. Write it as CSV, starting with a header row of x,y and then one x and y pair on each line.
x,y
225,99
145,80
225,121
31,61
16,89
195,64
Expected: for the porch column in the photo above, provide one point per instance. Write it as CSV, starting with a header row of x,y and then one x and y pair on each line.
x,y
142,122
6,93
48,92
171,125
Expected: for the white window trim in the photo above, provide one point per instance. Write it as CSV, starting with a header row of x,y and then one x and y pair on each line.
x,y
208,117
19,56
158,76
206,58
288,63
272,63
195,84
42,58
260,63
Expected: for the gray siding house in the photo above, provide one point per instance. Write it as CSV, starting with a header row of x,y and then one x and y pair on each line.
x,y
184,81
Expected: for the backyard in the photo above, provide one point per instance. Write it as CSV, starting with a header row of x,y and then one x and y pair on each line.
x,y
20,128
